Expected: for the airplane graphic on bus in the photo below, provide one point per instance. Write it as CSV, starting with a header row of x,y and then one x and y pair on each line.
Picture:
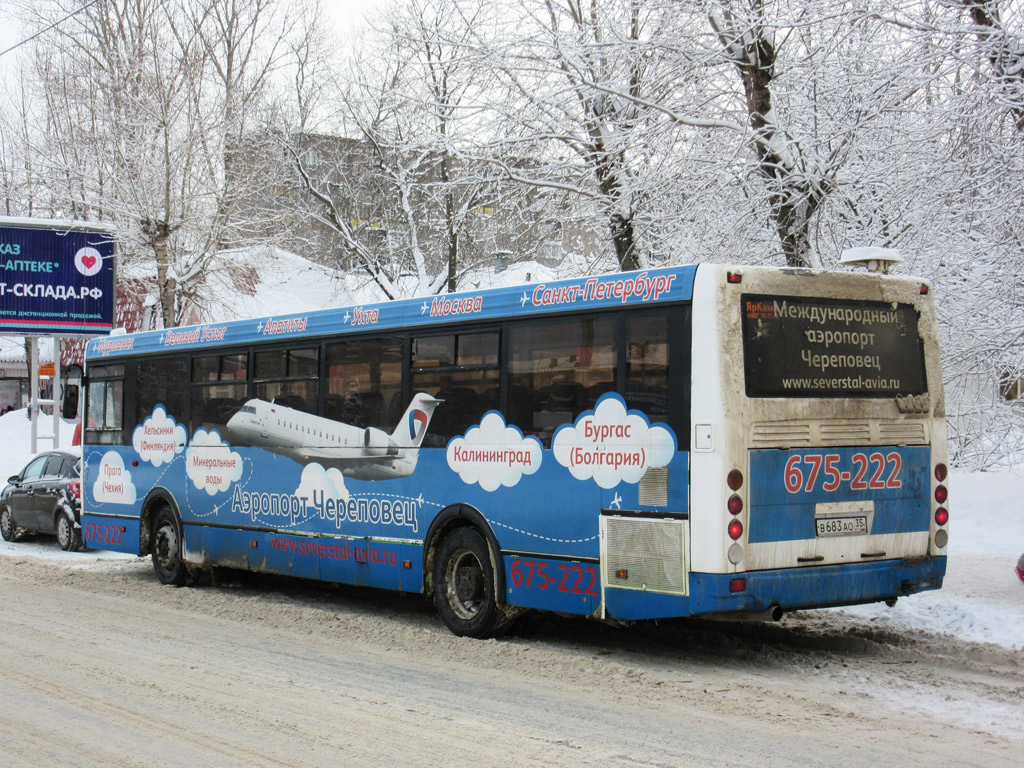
x,y
359,453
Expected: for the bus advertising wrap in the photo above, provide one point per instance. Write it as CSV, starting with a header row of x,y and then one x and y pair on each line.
x,y
552,446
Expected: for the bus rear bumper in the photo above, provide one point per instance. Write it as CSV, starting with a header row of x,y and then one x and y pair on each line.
x,y
814,587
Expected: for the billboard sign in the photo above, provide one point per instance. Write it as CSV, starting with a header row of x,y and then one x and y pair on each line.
x,y
57,278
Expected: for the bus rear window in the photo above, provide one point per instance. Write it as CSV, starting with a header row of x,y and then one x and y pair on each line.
x,y
795,346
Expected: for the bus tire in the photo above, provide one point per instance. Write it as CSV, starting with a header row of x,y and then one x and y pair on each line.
x,y
68,537
166,544
464,586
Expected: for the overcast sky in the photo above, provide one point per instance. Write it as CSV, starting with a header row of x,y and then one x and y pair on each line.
x,y
345,13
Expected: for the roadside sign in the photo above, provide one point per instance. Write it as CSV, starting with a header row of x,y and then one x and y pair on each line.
x,y
56,278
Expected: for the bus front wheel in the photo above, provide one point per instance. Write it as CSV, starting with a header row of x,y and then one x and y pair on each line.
x,y
464,586
167,547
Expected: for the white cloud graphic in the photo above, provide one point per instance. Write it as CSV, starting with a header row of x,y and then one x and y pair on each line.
x,y
611,445
113,482
494,454
318,485
158,438
211,464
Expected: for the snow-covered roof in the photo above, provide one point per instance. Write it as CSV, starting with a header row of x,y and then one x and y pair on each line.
x,y
252,282
516,273
263,281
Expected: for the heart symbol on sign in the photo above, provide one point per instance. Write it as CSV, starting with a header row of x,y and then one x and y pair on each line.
x,y
89,261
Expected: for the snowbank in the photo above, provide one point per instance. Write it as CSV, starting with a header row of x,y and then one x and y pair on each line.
x,y
981,600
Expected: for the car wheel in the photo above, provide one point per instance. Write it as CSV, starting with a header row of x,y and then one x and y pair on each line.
x,y
464,588
8,526
69,537
167,548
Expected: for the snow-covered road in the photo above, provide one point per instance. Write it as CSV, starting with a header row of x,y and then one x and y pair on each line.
x,y
104,666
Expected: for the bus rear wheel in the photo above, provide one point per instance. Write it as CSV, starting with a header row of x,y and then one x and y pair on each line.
x,y
167,548
464,586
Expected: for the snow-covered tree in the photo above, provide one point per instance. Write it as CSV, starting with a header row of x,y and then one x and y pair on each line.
x,y
144,104
584,94
405,197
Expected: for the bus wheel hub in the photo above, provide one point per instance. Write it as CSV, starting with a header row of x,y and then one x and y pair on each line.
x,y
468,584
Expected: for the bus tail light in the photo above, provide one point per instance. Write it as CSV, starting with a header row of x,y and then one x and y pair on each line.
x,y
924,289
735,553
735,529
941,516
734,480
737,585
941,494
735,504
940,472
733,277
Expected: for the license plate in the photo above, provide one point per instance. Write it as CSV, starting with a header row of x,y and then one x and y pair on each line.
x,y
841,526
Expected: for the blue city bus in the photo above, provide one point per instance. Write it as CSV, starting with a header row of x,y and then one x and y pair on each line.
x,y
699,440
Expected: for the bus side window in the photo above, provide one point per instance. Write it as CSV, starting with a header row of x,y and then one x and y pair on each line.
x,y
288,377
656,358
363,377
647,358
162,380
558,369
105,405
218,389
462,370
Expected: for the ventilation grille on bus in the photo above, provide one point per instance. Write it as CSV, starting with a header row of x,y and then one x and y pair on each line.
x,y
790,434
903,432
649,553
654,487
845,433
780,434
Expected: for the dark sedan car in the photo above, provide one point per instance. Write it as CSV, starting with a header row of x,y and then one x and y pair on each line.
x,y
45,497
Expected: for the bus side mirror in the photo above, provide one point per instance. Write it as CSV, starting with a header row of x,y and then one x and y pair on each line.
x,y
69,407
